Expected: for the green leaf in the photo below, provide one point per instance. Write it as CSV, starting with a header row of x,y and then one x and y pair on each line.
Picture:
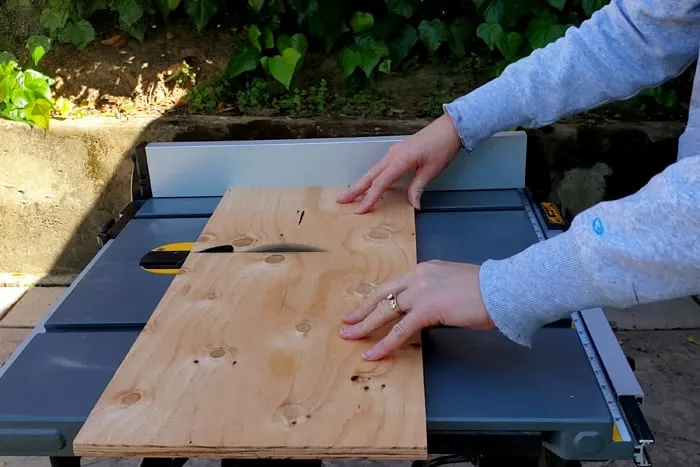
x,y
433,33
21,96
490,33
349,58
254,34
201,12
167,6
256,4
13,113
276,6
591,6
461,32
265,62
495,12
282,67
136,30
501,66
558,4
361,22
405,8
385,66
297,42
403,44
79,34
95,6
510,44
371,53
17,3
130,11
246,58
268,38
54,19
516,12
39,113
671,100
38,83
38,47
8,83
543,29
7,58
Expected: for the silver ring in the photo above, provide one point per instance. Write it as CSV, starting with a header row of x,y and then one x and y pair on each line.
x,y
394,304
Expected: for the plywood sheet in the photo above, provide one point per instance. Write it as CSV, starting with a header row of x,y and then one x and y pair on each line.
x,y
242,357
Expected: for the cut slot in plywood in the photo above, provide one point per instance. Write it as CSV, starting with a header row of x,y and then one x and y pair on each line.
x,y
242,357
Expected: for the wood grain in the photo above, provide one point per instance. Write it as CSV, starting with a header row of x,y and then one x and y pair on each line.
x,y
242,357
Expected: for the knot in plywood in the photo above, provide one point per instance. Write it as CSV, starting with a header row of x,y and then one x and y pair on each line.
x,y
291,414
303,326
219,352
130,398
379,233
274,259
242,241
364,289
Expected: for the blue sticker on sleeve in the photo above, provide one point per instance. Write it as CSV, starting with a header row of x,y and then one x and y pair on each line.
x,y
598,226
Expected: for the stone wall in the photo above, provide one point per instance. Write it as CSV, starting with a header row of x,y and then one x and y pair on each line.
x,y
58,188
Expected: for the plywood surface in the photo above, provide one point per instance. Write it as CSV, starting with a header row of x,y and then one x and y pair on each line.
x,y
242,357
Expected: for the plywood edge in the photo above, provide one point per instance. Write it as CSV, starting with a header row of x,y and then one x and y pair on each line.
x,y
277,452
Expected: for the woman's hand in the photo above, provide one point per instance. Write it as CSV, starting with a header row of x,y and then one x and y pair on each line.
x,y
432,293
427,152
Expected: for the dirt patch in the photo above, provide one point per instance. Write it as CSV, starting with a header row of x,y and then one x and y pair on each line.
x,y
177,70
130,76
668,368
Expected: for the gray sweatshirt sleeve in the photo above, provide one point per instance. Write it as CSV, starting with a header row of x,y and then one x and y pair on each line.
x,y
625,47
642,248
638,249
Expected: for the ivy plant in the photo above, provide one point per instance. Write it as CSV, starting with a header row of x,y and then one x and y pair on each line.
x,y
25,93
365,38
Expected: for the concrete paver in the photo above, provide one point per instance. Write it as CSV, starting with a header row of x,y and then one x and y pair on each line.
x,y
8,297
32,307
9,340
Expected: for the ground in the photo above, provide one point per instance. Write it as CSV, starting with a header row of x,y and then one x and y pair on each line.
x,y
175,66
667,366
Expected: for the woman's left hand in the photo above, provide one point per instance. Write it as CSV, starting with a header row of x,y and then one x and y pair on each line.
x,y
432,293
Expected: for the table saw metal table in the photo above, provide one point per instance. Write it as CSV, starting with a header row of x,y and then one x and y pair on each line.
x,y
572,397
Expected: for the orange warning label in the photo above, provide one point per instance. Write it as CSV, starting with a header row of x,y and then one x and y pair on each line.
x,y
552,214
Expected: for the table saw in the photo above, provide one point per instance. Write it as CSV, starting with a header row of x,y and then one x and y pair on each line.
x,y
572,397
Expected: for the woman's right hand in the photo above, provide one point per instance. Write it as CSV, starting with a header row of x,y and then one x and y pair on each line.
x,y
426,153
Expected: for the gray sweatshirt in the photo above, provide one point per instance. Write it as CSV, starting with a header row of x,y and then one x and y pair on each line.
x,y
639,249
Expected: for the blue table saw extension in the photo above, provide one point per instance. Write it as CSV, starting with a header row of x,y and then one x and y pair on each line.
x,y
572,397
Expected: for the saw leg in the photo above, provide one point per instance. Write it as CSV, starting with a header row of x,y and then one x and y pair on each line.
x,y
271,463
547,459
68,461
515,461
163,461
